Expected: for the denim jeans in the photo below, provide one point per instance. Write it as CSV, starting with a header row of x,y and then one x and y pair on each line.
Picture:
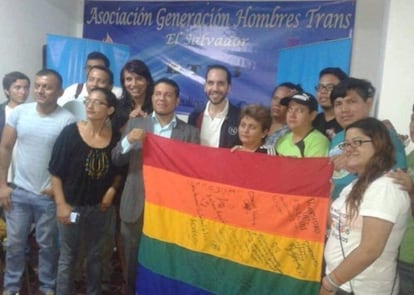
x,y
406,272
26,209
92,226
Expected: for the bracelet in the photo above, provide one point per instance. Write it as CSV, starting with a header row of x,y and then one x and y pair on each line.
x,y
332,282
327,289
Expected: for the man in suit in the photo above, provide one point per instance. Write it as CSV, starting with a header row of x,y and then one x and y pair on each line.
x,y
162,122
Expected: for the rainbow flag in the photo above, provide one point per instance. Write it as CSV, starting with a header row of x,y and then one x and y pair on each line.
x,y
218,222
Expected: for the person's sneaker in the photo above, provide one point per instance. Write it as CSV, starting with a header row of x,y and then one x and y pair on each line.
x,y
10,293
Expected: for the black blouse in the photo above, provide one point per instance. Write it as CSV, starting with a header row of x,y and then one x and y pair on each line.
x,y
86,172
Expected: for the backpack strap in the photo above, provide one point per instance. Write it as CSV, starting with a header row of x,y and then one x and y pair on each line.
x,y
78,90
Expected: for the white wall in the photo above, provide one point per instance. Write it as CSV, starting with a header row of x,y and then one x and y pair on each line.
x,y
397,91
368,42
23,28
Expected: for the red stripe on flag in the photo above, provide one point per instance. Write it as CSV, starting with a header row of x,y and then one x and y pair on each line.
x,y
285,175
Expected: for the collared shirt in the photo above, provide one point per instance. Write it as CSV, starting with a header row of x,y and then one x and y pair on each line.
x,y
163,131
211,127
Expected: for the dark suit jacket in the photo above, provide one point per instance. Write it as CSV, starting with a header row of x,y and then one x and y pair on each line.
x,y
132,199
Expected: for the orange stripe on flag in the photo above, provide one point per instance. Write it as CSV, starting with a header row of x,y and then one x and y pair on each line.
x,y
302,217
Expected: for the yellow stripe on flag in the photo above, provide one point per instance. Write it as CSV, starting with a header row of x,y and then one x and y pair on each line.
x,y
292,257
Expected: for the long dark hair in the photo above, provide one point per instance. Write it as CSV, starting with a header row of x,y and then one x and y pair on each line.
x,y
382,160
140,68
126,103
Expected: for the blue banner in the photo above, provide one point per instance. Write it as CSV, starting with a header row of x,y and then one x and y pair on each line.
x,y
303,63
61,49
180,39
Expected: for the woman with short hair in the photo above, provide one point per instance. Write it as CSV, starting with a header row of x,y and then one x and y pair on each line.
x,y
255,121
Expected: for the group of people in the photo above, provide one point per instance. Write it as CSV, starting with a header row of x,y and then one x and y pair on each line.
x,y
67,157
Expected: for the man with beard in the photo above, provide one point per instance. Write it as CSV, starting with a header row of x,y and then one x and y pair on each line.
x,y
325,121
219,120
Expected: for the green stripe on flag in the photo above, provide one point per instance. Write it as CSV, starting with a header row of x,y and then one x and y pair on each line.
x,y
217,275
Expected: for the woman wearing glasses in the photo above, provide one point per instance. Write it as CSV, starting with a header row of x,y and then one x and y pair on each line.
x,y
368,219
84,182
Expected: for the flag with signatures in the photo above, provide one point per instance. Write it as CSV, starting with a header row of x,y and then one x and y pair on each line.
x,y
221,222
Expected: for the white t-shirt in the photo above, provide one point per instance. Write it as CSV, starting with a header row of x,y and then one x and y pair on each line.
x,y
36,135
383,199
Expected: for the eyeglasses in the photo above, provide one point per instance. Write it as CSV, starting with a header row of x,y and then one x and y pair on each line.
x,y
327,87
94,102
353,143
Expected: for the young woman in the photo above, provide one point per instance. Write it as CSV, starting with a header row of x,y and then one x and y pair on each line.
x,y
368,219
255,121
84,183
137,84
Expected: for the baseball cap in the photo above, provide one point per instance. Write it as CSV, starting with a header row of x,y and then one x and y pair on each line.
x,y
303,98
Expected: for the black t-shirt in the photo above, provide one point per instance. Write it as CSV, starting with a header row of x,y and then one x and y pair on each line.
x,y
86,172
328,128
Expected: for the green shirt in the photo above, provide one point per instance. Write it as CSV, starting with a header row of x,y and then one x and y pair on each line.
x,y
314,144
407,244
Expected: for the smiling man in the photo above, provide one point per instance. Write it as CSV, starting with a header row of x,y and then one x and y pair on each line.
x,y
219,120
34,127
163,122
352,100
